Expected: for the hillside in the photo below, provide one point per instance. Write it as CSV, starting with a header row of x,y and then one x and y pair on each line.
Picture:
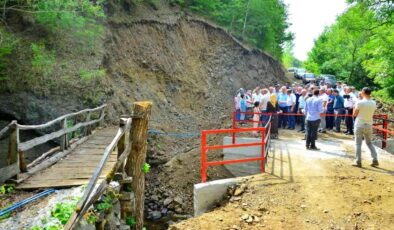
x,y
189,68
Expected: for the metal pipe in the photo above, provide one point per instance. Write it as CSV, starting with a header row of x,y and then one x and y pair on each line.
x,y
26,201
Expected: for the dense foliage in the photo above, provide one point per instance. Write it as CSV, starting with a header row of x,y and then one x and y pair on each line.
x,y
52,29
261,23
358,48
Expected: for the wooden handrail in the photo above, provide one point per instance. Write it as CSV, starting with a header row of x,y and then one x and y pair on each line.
x,y
136,146
17,148
46,125
7,128
86,199
47,137
107,152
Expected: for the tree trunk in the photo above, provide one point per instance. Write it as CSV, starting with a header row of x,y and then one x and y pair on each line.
x,y
245,19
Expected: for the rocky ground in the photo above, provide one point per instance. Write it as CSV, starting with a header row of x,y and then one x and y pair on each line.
x,y
309,190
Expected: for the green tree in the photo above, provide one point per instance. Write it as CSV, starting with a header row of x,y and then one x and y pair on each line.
x,y
263,24
358,48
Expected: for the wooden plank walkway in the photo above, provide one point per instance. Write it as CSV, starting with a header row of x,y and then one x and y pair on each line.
x,y
77,167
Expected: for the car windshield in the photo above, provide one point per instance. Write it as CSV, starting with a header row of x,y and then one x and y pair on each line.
x,y
310,75
300,71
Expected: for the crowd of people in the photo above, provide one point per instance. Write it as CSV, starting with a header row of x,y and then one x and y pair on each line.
x,y
315,108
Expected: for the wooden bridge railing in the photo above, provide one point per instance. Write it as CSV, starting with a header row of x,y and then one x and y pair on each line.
x,y
130,142
16,162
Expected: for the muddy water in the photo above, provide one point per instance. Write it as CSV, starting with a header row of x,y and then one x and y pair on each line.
x,y
162,223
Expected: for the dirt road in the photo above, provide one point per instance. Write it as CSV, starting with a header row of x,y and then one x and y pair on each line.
x,y
310,190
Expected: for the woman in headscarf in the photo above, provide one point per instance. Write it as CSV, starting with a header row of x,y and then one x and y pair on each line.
x,y
273,108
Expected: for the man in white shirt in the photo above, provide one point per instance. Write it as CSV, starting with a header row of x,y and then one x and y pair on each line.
x,y
265,97
324,98
257,95
349,103
282,102
363,112
291,102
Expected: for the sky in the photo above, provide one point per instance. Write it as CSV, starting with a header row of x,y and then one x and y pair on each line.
x,y
308,19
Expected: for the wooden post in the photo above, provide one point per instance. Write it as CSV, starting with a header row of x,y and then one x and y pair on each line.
x,y
136,160
12,156
87,128
64,138
21,154
102,114
12,167
121,144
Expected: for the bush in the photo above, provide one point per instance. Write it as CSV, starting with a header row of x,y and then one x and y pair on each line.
x,y
42,61
7,45
63,211
71,19
88,75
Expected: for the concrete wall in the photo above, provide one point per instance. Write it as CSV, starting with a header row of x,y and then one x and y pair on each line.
x,y
206,195
390,145
242,169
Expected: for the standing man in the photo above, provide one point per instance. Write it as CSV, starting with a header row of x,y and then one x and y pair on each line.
x,y
330,110
364,111
339,110
313,109
350,102
263,105
324,98
301,108
291,102
282,101
339,86
256,96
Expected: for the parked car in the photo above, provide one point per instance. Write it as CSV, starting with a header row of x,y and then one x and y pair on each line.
x,y
292,71
308,77
327,78
299,73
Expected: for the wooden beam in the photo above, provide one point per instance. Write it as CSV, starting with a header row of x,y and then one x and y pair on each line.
x,y
12,156
41,140
46,125
63,138
137,157
121,145
8,172
5,130
85,202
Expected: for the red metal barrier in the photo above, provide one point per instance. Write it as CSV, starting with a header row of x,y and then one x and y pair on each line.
x,y
205,148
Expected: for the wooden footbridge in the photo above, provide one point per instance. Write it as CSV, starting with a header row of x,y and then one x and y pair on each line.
x,y
88,154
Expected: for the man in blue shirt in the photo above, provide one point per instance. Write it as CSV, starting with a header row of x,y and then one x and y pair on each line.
x,y
330,110
339,109
313,109
282,102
